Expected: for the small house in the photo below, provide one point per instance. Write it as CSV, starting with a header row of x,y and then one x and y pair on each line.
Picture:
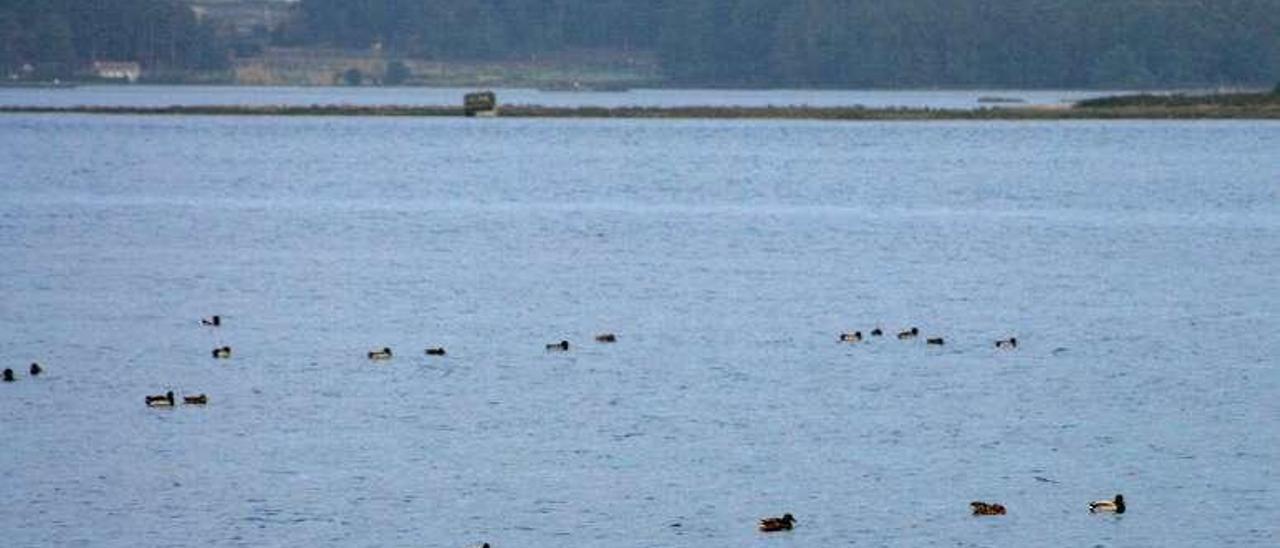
x,y
117,70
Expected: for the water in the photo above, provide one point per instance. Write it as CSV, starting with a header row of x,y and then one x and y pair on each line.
x,y
1134,261
159,96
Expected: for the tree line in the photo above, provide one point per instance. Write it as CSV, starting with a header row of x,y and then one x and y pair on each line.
x,y
818,43
841,43
58,38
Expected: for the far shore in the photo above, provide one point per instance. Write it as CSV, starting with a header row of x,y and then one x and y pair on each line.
x,y
1222,107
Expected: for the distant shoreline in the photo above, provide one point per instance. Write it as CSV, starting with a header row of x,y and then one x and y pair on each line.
x,y
1147,110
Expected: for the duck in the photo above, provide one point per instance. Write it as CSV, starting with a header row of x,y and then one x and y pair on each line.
x,y
856,336
1115,505
222,353
36,369
606,338
876,332
198,399
384,354
935,340
1010,343
161,401
438,351
987,509
783,523
8,375
908,334
212,321
562,346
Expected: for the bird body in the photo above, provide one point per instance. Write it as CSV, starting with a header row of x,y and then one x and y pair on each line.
x,y
987,509
160,401
1115,505
784,523
384,354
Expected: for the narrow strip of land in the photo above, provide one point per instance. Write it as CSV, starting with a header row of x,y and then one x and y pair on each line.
x,y
1142,107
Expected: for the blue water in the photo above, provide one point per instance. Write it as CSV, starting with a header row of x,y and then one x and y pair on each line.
x,y
1134,261
151,96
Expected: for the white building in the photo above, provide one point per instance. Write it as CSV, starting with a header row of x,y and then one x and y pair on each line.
x,y
117,70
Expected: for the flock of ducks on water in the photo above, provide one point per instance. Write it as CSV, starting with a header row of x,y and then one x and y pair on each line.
x,y
907,334
769,525
979,508
787,521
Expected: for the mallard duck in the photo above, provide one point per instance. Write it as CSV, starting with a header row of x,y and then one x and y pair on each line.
x,y
876,332
987,509
1115,505
783,523
36,369
222,353
908,334
438,351
198,399
606,338
8,375
561,346
935,340
856,336
1010,343
212,321
384,354
161,401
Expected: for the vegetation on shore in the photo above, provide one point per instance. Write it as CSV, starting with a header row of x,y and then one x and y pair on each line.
x,y
850,44
1222,106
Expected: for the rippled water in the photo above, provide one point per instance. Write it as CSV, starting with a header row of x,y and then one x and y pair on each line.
x,y
1134,261
143,96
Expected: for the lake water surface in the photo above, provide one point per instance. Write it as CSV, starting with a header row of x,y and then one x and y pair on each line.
x,y
1136,263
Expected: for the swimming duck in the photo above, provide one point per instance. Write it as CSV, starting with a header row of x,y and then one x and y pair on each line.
x,y
935,340
198,399
384,354
562,346
438,351
36,369
908,334
606,338
8,375
212,321
161,401
783,523
856,336
876,332
222,353
1010,343
1115,505
987,509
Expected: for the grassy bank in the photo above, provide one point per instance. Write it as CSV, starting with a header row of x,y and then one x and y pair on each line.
x,y
1141,107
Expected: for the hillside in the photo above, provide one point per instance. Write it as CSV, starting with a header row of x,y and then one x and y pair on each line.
x,y
1133,44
